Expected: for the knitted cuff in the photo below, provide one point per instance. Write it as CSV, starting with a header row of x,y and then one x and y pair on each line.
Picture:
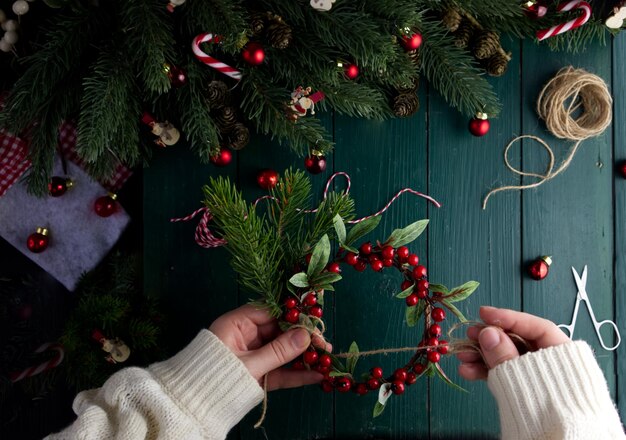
x,y
210,383
552,390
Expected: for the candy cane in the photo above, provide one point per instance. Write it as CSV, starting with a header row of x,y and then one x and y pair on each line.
x,y
209,60
44,366
572,24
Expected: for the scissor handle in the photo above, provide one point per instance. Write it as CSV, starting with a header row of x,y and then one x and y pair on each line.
x,y
615,329
569,329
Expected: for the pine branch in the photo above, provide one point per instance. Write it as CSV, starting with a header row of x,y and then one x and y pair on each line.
x,y
226,18
334,204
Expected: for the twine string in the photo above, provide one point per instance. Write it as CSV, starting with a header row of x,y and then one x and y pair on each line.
x,y
570,91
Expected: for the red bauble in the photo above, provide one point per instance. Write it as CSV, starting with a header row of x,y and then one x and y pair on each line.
x,y
479,125
540,268
223,158
267,179
106,206
351,70
412,42
59,186
253,54
535,9
438,314
38,241
315,164
176,75
622,169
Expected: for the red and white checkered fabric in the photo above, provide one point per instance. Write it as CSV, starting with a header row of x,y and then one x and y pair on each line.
x,y
13,160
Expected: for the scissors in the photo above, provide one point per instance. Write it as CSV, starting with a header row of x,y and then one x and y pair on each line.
x,y
581,283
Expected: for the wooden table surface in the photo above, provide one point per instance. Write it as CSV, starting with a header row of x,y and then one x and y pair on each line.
x,y
578,218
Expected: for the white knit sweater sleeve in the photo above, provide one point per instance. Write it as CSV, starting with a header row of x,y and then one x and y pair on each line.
x,y
555,393
200,393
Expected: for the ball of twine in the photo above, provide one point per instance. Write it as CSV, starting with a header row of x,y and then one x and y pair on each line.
x,y
575,105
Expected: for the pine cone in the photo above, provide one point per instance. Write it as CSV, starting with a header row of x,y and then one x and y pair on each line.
x,y
226,120
279,33
218,95
405,104
416,57
239,137
464,34
408,88
257,22
496,64
486,44
451,19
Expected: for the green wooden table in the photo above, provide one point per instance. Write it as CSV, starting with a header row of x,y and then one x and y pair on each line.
x,y
578,218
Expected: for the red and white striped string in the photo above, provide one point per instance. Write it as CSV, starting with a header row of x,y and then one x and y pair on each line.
x,y
44,366
209,60
205,237
572,24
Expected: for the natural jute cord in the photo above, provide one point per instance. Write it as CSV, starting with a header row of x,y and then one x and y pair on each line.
x,y
570,90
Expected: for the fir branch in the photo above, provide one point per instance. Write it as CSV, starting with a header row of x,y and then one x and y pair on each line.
x,y
220,17
578,39
147,30
334,204
359,100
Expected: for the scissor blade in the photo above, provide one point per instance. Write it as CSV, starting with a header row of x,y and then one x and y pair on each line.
x,y
581,283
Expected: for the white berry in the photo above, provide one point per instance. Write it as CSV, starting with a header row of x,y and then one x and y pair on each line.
x,y
10,25
4,46
20,7
10,37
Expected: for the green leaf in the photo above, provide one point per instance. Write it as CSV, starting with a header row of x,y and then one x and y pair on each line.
x,y
462,292
319,258
351,361
338,374
300,280
454,310
414,313
361,229
324,278
340,228
446,379
378,409
325,287
336,363
406,292
350,248
406,235
438,288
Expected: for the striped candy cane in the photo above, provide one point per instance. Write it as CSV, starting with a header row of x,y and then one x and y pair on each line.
x,y
572,24
209,60
44,366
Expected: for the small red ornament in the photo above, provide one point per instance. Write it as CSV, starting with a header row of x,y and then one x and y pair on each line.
x,y
535,9
622,169
59,186
539,268
351,71
106,206
176,75
253,54
412,42
267,179
38,241
223,158
315,164
479,125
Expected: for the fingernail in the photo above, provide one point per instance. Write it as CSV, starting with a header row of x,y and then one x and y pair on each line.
x,y
300,338
489,338
487,307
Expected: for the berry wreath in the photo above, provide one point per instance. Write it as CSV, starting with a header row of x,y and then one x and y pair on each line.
x,y
284,256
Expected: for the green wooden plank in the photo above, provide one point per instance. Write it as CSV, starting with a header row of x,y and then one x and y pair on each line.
x,y
619,144
381,158
467,243
569,217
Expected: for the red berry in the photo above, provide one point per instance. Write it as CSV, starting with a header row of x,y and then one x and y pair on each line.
x,y
325,360
406,284
438,314
366,248
307,258
361,389
327,386
373,384
434,357
316,311
419,368
292,316
422,285
411,378
388,252
443,347
400,374
388,262
310,357
377,266
432,342
419,272
343,384
291,302
376,372
397,387
402,252
334,267
360,266
310,299
297,365
411,300
413,260
321,369
435,330
352,258
421,294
